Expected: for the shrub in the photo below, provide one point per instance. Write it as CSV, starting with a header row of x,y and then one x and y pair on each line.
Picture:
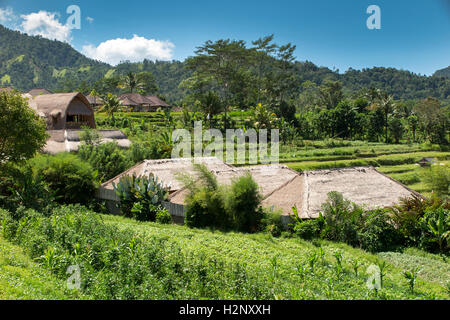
x,y
407,214
435,230
271,218
211,205
163,216
378,232
307,229
341,219
243,204
29,190
206,208
108,159
89,136
71,179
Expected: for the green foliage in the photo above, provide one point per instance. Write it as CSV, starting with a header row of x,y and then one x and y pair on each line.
x,y
89,136
212,205
22,132
438,179
378,233
121,258
436,230
243,202
407,215
29,190
306,229
341,219
416,222
140,197
108,159
411,276
163,216
70,179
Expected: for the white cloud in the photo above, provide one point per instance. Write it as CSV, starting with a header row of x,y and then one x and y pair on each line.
x,y
6,15
90,19
45,24
135,49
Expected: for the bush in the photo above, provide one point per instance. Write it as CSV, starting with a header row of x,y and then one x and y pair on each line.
x,y
435,230
108,159
28,190
271,218
243,204
71,179
307,229
378,233
163,216
211,205
206,208
407,214
342,219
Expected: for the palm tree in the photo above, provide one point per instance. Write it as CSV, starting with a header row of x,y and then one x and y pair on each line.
x,y
385,102
111,104
132,82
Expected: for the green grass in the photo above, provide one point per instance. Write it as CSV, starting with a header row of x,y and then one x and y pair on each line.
x,y
433,267
21,278
258,251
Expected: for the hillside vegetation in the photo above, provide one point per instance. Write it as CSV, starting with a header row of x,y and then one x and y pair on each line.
x,y
31,62
22,278
120,258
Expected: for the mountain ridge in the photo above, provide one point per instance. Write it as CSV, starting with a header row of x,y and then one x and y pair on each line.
x,y
28,62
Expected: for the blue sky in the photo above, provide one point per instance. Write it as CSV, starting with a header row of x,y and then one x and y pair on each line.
x,y
414,35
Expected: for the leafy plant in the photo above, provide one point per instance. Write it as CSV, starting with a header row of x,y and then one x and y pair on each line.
x,y
411,276
383,268
140,197
163,216
437,223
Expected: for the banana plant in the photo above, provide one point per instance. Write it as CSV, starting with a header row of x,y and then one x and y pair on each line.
x,y
440,228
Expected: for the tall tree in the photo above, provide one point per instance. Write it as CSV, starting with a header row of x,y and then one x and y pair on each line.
x,y
132,82
224,63
263,50
111,105
330,94
22,132
385,102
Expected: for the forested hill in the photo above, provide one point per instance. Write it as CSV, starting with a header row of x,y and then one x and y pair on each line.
x,y
32,62
443,72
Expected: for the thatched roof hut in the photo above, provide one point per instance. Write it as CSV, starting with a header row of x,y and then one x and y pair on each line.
x,y
39,91
94,101
6,89
140,103
63,110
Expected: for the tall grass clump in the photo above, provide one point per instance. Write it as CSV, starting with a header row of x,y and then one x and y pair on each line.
x,y
209,204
